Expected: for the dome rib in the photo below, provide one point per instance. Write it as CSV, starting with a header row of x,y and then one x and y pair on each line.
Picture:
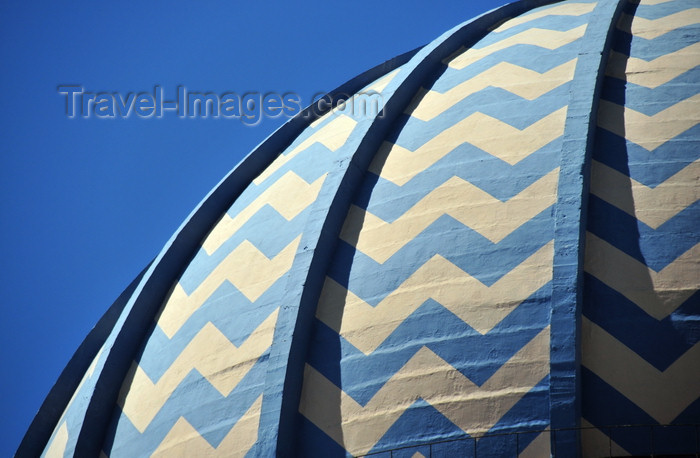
x,y
139,303
359,274
570,222
293,330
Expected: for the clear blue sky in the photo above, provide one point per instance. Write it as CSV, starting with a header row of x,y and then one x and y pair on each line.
x,y
87,203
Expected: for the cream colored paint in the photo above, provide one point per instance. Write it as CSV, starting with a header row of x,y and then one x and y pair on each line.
x,y
518,80
57,447
480,306
184,441
657,293
332,135
652,206
649,132
510,144
246,267
289,196
565,9
468,204
543,38
211,354
654,28
653,73
663,395
425,376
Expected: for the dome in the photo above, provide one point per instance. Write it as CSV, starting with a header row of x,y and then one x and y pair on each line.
x,y
484,247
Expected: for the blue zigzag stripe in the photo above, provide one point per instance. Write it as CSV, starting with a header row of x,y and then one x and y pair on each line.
x,y
262,230
650,101
612,408
412,133
450,239
212,423
613,312
467,162
309,165
656,248
663,9
657,47
361,376
545,22
520,54
648,167
227,309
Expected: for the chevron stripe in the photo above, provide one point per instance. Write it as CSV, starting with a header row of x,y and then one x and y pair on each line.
x,y
468,163
657,293
246,268
426,376
450,239
543,38
596,444
652,74
649,132
435,327
523,82
615,313
211,354
57,447
184,440
654,28
412,133
289,196
398,165
652,206
332,135
564,9
480,306
663,395
457,198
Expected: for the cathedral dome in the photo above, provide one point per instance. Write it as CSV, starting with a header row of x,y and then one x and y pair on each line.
x,y
484,247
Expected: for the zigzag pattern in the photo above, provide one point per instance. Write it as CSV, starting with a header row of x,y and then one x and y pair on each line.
x,y
640,348
442,281
652,206
654,28
332,135
289,196
650,132
484,214
663,395
491,135
653,73
208,350
426,376
523,82
436,266
487,131
184,440
544,38
246,268
211,354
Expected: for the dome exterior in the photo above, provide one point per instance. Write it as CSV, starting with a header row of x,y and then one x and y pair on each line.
x,y
502,261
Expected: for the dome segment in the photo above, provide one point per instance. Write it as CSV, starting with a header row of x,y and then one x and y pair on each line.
x,y
416,277
641,309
